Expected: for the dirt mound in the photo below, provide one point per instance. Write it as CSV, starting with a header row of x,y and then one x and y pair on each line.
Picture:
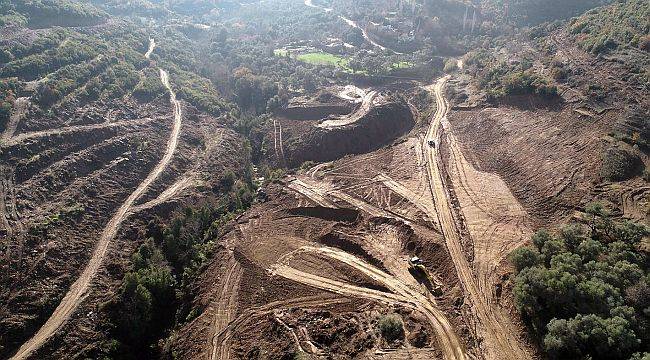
x,y
338,241
378,127
315,111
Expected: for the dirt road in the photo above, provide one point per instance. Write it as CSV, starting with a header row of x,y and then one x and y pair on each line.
x,y
71,129
225,307
501,342
366,104
401,293
79,290
353,24
19,112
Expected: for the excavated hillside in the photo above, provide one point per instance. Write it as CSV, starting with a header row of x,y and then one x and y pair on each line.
x,y
387,233
324,132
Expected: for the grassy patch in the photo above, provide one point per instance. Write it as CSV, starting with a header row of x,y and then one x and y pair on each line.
x,y
280,52
320,58
402,65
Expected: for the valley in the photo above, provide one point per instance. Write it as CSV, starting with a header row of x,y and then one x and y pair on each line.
x,y
288,179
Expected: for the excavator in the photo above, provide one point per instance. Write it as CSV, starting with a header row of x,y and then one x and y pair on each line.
x,y
421,274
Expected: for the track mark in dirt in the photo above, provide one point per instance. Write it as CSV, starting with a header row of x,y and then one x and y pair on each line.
x,y
20,107
79,289
225,308
496,221
319,193
277,141
423,203
501,340
401,293
72,129
252,314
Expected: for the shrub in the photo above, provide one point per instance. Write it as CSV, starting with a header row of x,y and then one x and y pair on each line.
x,y
150,87
450,66
525,257
619,164
391,327
588,299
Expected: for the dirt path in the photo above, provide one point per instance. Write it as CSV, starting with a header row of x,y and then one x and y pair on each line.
x,y
18,114
354,25
175,189
79,290
225,308
401,293
70,129
320,193
224,336
501,342
366,104
152,45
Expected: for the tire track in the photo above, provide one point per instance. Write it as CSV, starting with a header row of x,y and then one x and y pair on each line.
x,y
401,293
225,309
21,105
500,342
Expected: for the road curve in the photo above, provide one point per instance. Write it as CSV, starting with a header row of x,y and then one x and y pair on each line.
x,y
353,24
401,293
497,335
79,290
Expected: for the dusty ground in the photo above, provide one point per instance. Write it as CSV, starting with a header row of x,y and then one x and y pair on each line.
x,y
312,269
342,230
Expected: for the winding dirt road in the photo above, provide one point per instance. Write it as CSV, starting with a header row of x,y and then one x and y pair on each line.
x,y
501,341
366,105
401,293
353,24
79,290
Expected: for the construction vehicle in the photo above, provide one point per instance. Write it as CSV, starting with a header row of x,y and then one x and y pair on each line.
x,y
421,274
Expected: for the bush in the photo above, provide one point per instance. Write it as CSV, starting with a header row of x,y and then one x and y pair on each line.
x,y
619,164
150,87
601,30
585,293
450,66
391,327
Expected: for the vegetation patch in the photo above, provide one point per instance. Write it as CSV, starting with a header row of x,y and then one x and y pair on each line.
x,y
391,327
624,23
155,295
585,292
620,164
321,58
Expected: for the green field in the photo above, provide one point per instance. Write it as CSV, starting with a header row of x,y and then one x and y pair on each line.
x,y
402,65
320,58
280,52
